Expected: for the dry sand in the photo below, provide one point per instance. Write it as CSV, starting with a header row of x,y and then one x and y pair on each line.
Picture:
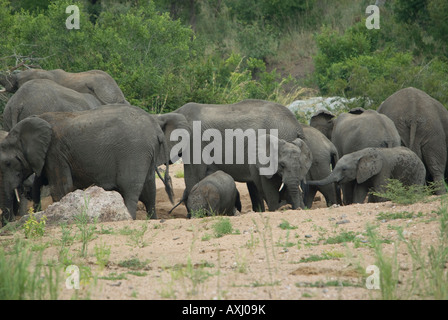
x,y
182,259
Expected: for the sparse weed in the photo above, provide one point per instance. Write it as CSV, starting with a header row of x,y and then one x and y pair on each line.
x,y
136,236
33,228
102,254
285,225
396,192
86,229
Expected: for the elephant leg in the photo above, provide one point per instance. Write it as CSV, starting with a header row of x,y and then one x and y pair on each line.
x,y
330,193
62,183
271,193
193,173
310,193
435,160
360,192
255,197
148,195
347,192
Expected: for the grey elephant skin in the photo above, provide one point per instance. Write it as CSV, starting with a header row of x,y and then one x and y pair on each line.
x,y
325,157
244,115
113,147
371,167
216,194
20,202
294,162
422,123
354,131
94,82
39,96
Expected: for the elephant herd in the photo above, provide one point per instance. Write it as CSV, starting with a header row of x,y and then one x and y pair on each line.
x,y
71,130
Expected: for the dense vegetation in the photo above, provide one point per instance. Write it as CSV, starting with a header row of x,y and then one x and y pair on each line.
x,y
164,53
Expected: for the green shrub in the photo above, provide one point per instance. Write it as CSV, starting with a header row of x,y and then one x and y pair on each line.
x,y
396,192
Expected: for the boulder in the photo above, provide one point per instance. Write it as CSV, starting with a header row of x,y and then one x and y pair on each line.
x,y
103,205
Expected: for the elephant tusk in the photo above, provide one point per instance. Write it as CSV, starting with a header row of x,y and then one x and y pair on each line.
x,y
17,195
300,188
281,187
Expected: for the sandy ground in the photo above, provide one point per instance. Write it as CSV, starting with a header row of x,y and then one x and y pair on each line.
x,y
183,259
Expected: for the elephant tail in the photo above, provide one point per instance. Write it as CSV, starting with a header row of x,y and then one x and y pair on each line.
x,y
184,198
167,182
412,134
238,201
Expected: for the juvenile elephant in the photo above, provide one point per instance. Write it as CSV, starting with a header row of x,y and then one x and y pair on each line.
x,y
354,131
216,194
325,157
422,123
39,96
95,82
114,147
239,119
370,168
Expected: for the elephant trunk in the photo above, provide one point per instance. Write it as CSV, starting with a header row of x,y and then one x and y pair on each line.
x,y
295,195
332,178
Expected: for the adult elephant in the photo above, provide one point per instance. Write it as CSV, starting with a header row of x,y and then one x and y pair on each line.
x,y
325,157
227,119
114,147
39,96
95,82
354,131
422,123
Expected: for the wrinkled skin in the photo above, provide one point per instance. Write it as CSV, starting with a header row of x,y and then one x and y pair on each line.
x,y
294,162
422,123
216,194
36,97
75,150
325,157
20,205
97,83
355,131
370,168
247,114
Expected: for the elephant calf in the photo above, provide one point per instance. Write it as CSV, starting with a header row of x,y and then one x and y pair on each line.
x,y
371,167
215,194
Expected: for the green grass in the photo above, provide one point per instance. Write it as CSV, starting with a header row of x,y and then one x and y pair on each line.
x,y
179,174
222,227
328,255
396,192
342,238
331,283
133,264
285,225
398,215
25,276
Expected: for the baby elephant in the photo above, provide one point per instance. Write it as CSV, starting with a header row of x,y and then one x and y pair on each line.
x,y
216,194
370,168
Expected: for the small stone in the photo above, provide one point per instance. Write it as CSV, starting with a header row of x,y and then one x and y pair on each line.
x,y
343,221
308,236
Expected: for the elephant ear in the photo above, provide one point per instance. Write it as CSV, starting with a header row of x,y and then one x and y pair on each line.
x,y
368,166
33,137
306,157
170,122
267,147
324,122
